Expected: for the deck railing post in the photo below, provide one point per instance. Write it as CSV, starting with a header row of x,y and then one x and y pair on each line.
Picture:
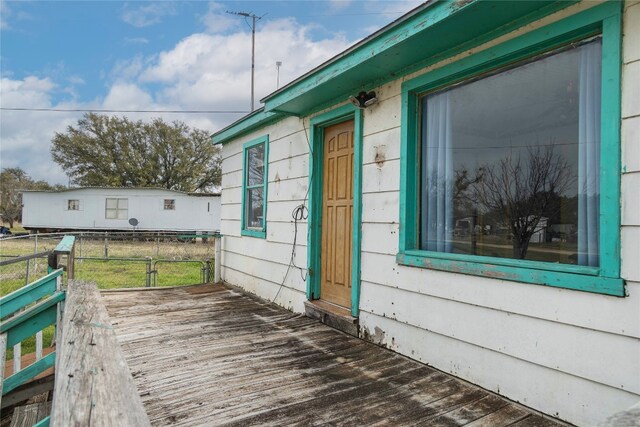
x,y
218,258
38,345
71,263
60,312
17,357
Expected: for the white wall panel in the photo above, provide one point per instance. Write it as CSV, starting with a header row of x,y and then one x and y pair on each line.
x,y
631,144
584,402
631,34
631,88
381,177
524,337
381,238
630,254
613,314
380,207
386,143
292,167
631,198
288,298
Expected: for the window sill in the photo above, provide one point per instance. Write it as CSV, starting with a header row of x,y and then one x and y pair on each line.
x,y
262,234
540,273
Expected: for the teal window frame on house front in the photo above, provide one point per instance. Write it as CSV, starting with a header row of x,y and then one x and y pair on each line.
x,y
246,230
603,21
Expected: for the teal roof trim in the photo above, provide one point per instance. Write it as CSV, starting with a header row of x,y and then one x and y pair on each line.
x,y
245,125
426,35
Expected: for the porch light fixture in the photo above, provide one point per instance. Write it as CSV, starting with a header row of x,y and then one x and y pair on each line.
x,y
363,99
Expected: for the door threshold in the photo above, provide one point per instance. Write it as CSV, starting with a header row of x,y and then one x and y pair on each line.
x,y
332,315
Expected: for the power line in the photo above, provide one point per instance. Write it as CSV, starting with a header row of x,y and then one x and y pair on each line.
x,y
102,110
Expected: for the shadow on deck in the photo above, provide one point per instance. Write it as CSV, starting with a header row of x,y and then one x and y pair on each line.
x,y
211,355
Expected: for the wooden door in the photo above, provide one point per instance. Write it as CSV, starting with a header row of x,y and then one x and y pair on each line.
x,y
337,214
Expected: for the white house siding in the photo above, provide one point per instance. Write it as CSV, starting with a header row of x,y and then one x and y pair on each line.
x,y
48,209
260,265
571,354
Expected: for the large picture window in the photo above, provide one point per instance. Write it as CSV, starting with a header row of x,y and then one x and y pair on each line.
x,y
510,159
254,206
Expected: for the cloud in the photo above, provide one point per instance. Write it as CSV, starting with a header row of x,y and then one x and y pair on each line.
x,y
26,135
76,80
149,14
338,5
5,13
136,40
217,20
206,70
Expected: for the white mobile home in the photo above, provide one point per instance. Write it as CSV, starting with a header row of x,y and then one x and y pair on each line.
x,y
104,208
420,166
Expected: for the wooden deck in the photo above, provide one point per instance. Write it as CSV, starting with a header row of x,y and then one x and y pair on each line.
x,y
209,355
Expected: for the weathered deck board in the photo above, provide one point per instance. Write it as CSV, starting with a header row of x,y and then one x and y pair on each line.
x,y
210,355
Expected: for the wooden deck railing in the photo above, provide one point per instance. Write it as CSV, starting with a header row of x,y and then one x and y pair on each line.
x,y
93,383
27,312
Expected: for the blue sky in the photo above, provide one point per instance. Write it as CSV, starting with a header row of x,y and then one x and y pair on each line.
x,y
157,56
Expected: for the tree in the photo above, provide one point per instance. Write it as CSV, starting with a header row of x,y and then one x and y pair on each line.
x,y
113,151
522,192
12,181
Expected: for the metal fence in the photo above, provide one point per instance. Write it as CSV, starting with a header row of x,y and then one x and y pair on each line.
x,y
114,259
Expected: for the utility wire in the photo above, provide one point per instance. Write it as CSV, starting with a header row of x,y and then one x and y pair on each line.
x,y
102,110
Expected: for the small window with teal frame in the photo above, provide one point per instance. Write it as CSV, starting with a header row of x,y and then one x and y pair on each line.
x,y
254,187
517,149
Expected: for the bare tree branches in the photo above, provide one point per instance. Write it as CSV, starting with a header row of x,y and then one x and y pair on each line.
x,y
523,191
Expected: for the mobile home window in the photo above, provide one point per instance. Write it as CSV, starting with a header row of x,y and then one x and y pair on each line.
x,y
169,204
116,208
73,205
516,172
254,198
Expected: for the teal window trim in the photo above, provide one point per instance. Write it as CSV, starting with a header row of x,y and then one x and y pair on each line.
x,y
314,237
604,20
253,231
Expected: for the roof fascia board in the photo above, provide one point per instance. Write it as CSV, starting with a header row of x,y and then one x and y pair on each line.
x,y
246,125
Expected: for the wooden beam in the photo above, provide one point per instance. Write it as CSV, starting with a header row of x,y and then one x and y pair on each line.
x,y
93,382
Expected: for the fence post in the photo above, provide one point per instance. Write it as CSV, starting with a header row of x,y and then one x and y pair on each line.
x,y
148,284
208,271
217,259
106,245
26,278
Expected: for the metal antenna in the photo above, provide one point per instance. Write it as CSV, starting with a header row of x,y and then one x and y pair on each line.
x,y
254,18
278,64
